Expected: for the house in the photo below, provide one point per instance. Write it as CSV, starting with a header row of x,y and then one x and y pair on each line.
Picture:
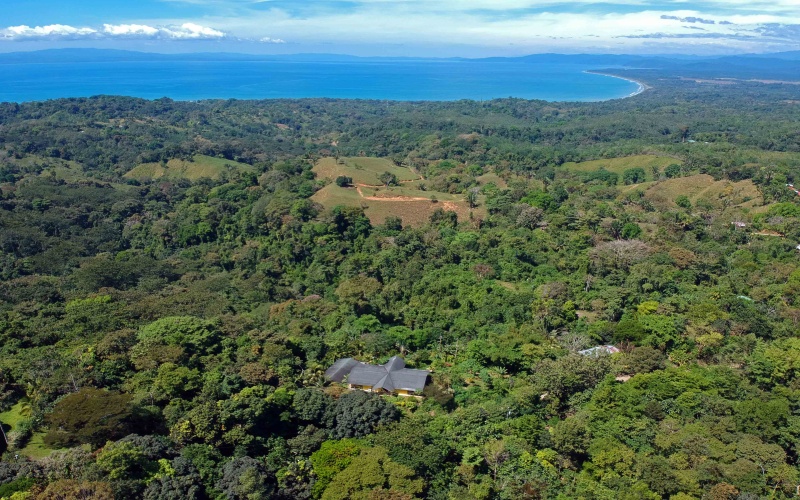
x,y
392,378
599,350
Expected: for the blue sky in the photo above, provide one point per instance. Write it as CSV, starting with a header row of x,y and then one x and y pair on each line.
x,y
405,27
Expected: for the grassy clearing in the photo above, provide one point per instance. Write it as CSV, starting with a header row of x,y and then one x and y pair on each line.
x,y
414,207
200,166
492,178
332,195
406,201
408,192
759,158
363,170
417,213
662,194
36,448
620,165
68,171
11,419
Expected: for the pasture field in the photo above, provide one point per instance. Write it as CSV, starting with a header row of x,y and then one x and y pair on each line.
x,y
200,166
414,207
57,168
332,195
620,165
662,194
363,170
759,158
67,171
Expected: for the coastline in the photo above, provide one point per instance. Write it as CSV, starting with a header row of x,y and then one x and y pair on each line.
x,y
642,86
551,83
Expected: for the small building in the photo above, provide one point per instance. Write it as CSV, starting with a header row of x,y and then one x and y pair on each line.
x,y
599,351
391,378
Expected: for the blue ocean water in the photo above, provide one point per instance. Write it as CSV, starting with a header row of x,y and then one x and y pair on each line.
x,y
404,80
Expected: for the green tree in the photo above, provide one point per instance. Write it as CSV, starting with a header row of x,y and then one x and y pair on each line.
x,y
358,292
358,413
173,339
777,363
71,489
631,231
245,478
673,170
124,460
388,179
683,201
541,200
373,471
173,381
332,458
633,175
344,181
91,416
472,197
311,405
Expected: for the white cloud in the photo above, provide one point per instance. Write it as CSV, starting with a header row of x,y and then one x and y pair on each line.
x,y
185,31
494,26
50,31
133,30
191,31
415,23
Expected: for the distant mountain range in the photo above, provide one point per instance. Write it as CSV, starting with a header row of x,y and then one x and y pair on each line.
x,y
782,65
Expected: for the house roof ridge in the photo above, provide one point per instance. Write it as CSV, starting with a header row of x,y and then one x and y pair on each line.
x,y
393,375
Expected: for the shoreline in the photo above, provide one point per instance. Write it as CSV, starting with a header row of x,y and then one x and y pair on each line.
x,y
642,86
145,92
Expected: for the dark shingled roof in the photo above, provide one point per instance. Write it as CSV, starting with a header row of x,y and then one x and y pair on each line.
x,y
396,363
363,374
340,369
392,376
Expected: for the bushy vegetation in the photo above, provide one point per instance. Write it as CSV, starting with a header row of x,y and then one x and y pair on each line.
x,y
168,337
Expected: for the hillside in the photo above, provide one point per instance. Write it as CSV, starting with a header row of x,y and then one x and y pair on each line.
x,y
621,164
198,167
409,199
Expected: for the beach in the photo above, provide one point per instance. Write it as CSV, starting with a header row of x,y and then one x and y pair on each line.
x,y
642,86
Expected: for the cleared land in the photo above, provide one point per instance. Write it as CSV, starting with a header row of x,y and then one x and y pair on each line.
x,y
363,170
620,165
56,168
412,205
492,178
200,166
35,448
662,194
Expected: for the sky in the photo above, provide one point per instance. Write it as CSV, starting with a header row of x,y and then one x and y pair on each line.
x,y
413,28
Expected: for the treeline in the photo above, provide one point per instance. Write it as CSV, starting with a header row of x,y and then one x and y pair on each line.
x,y
113,134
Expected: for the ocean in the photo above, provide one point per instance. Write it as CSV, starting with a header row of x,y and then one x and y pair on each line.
x,y
403,80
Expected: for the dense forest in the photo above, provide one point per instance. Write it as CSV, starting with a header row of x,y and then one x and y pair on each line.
x,y
165,332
